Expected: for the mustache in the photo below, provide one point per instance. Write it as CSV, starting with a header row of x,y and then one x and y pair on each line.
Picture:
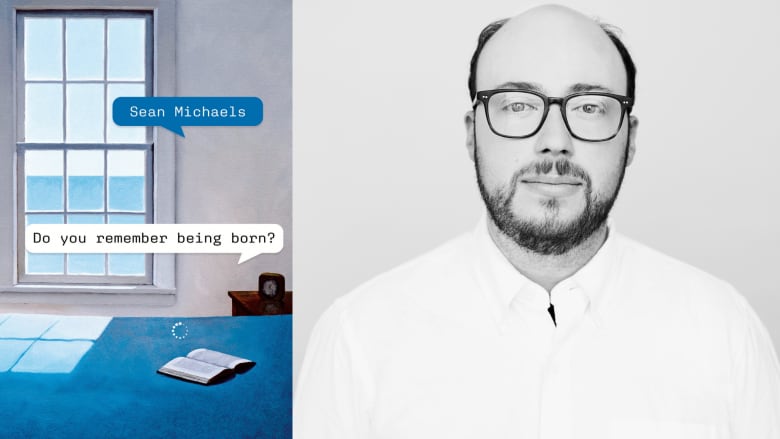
x,y
562,166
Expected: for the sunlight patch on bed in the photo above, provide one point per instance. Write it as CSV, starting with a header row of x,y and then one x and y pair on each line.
x,y
28,326
52,356
36,343
11,351
73,327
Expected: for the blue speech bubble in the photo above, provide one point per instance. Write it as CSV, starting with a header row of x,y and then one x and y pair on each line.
x,y
172,113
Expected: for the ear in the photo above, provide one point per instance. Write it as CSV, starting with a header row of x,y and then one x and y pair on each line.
x,y
633,124
468,120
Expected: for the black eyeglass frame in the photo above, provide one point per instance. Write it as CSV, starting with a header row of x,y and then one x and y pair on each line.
x,y
626,103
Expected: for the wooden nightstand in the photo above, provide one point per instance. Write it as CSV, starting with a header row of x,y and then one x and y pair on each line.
x,y
250,303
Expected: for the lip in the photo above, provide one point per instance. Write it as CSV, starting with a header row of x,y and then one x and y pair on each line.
x,y
552,185
552,179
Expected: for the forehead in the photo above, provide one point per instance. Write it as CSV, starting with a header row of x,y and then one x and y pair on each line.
x,y
555,48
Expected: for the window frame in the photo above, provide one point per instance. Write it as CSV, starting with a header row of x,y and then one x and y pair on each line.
x,y
22,146
159,288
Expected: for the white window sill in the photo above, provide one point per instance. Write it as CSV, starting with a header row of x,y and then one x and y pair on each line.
x,y
88,294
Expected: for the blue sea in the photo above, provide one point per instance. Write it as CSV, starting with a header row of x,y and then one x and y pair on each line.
x,y
85,193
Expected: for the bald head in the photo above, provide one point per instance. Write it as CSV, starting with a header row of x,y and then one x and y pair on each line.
x,y
566,46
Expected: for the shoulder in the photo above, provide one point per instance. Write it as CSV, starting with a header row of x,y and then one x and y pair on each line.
x,y
671,284
654,266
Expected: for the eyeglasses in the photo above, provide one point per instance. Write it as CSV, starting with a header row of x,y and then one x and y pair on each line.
x,y
589,116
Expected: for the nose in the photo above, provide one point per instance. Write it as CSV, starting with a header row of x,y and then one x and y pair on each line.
x,y
553,137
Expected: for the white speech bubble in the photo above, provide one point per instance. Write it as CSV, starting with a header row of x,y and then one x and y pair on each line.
x,y
249,240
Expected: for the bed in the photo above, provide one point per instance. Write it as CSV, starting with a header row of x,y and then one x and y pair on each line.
x,y
65,376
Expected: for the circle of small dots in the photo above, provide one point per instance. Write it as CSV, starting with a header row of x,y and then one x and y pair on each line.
x,y
179,330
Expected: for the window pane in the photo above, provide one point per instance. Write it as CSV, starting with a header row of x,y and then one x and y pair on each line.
x,y
45,263
43,113
84,113
85,218
44,218
86,263
126,180
126,193
85,180
115,133
84,48
126,219
126,43
42,48
43,180
131,263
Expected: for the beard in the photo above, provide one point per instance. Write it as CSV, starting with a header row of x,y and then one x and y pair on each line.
x,y
551,235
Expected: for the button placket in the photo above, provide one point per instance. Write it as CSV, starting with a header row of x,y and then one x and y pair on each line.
x,y
555,399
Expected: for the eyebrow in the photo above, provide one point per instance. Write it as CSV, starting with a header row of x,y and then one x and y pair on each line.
x,y
576,88
580,87
522,85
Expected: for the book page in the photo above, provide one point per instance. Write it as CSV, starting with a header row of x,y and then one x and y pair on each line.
x,y
192,369
218,358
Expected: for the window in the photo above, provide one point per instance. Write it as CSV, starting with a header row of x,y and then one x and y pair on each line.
x,y
74,164
63,159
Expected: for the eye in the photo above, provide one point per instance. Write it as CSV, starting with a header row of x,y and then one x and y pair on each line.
x,y
518,107
593,109
589,110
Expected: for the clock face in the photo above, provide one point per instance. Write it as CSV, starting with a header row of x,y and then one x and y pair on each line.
x,y
269,289
271,286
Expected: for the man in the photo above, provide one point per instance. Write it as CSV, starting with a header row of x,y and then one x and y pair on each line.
x,y
544,322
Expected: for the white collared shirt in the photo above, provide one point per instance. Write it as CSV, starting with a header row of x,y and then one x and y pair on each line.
x,y
458,344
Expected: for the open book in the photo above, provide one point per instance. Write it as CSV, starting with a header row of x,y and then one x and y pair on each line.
x,y
205,366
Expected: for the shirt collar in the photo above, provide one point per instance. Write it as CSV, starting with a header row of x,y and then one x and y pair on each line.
x,y
503,285
595,278
500,282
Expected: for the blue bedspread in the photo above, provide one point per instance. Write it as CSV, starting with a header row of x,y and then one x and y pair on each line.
x,y
114,390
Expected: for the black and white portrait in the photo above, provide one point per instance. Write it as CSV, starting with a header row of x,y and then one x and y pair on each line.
x,y
559,225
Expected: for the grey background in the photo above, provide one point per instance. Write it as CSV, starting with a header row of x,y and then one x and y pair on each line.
x,y
382,174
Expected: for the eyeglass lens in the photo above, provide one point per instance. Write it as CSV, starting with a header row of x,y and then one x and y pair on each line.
x,y
590,117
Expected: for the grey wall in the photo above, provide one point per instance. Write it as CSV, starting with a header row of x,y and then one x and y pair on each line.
x,y
383,174
234,175
227,174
